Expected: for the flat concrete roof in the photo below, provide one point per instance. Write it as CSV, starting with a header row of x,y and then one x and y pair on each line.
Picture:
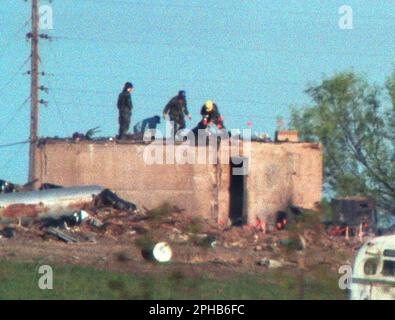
x,y
106,140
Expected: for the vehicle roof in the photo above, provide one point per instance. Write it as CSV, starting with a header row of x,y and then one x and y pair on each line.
x,y
381,243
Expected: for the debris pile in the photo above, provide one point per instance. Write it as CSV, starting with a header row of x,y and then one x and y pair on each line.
x,y
68,214
78,136
95,215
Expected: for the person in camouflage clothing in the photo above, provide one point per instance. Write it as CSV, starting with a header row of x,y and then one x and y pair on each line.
x,y
177,109
125,107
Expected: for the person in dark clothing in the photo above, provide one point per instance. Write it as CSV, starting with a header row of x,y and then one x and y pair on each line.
x,y
210,114
125,107
177,109
146,124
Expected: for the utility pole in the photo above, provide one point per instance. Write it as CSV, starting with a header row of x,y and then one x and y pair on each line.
x,y
34,72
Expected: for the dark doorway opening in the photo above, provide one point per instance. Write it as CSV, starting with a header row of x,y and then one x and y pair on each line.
x,y
237,191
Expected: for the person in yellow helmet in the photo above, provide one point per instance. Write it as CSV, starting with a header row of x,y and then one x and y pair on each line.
x,y
210,114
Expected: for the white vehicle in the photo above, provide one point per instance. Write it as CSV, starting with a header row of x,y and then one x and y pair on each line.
x,y
374,270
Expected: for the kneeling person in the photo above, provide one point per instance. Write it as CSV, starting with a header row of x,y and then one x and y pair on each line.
x,y
147,124
210,114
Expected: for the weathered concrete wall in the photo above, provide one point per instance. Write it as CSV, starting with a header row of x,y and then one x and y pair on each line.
x,y
279,174
283,174
121,167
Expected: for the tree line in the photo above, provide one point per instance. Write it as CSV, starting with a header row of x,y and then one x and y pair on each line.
x,y
355,122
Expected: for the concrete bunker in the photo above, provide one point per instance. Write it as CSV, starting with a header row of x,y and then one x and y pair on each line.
x,y
279,174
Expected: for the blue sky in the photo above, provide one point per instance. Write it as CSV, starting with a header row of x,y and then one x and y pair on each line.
x,y
254,58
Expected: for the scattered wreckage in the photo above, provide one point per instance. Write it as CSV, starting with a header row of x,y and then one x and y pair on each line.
x,y
9,187
78,136
91,213
56,201
159,252
353,216
374,270
56,208
50,202
61,209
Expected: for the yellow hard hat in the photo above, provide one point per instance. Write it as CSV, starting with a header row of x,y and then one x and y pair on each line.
x,y
209,105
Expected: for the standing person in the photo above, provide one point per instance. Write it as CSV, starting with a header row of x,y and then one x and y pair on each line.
x,y
125,107
177,109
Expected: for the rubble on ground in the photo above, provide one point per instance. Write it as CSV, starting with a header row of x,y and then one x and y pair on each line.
x,y
270,263
108,218
64,213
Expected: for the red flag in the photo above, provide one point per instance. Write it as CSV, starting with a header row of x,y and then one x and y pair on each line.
x,y
281,122
249,124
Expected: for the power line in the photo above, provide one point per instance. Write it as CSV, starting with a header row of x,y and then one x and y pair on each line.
x,y
12,38
14,35
224,48
153,5
12,144
8,160
90,104
237,9
164,97
13,116
246,116
179,80
109,105
240,31
207,80
18,72
59,113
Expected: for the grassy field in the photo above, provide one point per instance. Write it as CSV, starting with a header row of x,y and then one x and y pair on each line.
x,y
19,280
